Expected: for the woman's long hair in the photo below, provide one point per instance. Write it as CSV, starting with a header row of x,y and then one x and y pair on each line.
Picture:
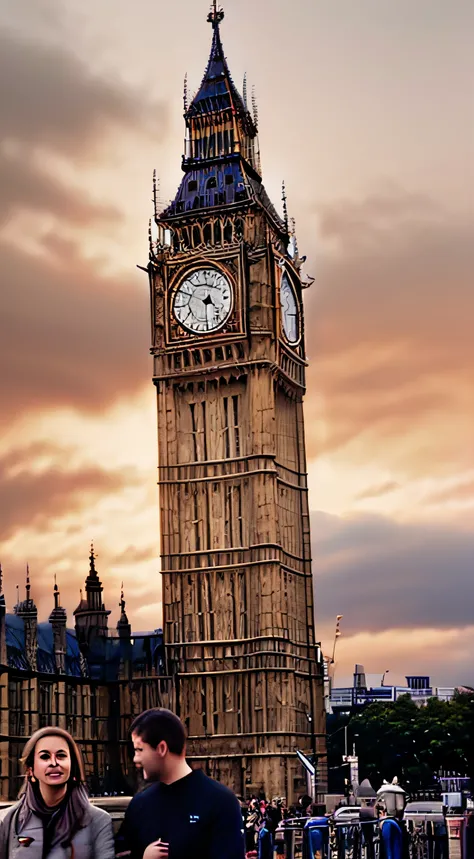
x,y
74,814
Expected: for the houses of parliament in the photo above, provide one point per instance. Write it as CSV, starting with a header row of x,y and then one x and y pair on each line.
x,y
237,658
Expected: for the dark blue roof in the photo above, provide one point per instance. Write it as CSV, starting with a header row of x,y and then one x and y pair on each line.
x,y
145,651
15,638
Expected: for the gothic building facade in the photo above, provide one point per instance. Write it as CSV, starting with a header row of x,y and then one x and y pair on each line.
x,y
238,658
87,679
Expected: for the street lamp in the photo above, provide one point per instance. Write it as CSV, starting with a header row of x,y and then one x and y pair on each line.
x,y
387,671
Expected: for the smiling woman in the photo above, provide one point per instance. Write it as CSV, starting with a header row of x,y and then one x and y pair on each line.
x,y
54,817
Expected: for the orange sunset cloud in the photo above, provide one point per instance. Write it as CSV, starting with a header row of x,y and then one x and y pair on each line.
x,y
365,114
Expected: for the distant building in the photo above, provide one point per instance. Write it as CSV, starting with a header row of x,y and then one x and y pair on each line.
x,y
87,679
419,688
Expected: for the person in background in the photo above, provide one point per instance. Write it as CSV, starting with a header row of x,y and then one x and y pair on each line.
x,y
184,813
391,836
54,817
252,825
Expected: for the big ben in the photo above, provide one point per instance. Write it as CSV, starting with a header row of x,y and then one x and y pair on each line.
x,y
229,370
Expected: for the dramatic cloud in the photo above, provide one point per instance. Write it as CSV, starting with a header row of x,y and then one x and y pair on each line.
x,y
71,336
443,654
37,487
381,574
377,491
50,99
389,326
390,405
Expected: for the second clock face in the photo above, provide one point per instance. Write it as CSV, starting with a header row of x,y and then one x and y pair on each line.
x,y
289,310
203,301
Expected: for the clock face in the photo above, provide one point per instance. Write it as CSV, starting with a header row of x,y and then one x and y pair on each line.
x,y
289,310
203,301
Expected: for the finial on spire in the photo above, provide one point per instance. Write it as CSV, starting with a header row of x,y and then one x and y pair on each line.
x,y
215,15
28,586
18,594
92,558
122,600
244,91
285,205
56,593
1,580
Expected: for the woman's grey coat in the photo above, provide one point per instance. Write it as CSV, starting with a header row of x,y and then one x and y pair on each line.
x,y
94,841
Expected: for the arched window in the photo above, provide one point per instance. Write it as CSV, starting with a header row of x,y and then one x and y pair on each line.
x,y
217,233
208,234
197,237
228,232
211,183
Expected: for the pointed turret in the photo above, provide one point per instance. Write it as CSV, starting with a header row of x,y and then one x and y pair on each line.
x,y
221,156
123,627
58,620
91,615
29,613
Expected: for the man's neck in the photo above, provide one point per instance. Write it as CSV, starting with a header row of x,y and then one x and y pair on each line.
x,y
178,769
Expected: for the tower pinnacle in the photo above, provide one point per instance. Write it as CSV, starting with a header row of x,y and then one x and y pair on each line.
x,y
216,14
93,571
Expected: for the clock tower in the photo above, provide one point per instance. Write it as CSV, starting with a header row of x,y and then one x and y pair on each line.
x,y
229,371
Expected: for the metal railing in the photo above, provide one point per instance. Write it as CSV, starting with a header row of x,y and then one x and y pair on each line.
x,y
319,838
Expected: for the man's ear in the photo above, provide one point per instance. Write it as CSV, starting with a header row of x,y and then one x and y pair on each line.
x,y
162,748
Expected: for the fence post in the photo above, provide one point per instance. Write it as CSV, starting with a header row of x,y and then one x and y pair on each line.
x,y
316,838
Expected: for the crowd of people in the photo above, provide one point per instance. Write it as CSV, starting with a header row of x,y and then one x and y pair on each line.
x,y
261,819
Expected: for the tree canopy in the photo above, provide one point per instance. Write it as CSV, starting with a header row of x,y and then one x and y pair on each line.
x,y
411,742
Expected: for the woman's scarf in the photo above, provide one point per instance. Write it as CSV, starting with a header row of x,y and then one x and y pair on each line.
x,y
66,818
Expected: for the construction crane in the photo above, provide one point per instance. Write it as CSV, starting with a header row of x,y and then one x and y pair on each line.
x,y
331,660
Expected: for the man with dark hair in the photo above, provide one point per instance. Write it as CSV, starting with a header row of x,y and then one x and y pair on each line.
x,y
184,813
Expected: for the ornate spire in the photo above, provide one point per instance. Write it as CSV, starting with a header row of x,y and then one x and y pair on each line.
x,y
221,160
26,606
123,627
58,613
216,15
93,571
123,615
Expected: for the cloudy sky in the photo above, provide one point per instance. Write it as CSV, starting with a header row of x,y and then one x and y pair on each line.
x,y
366,111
